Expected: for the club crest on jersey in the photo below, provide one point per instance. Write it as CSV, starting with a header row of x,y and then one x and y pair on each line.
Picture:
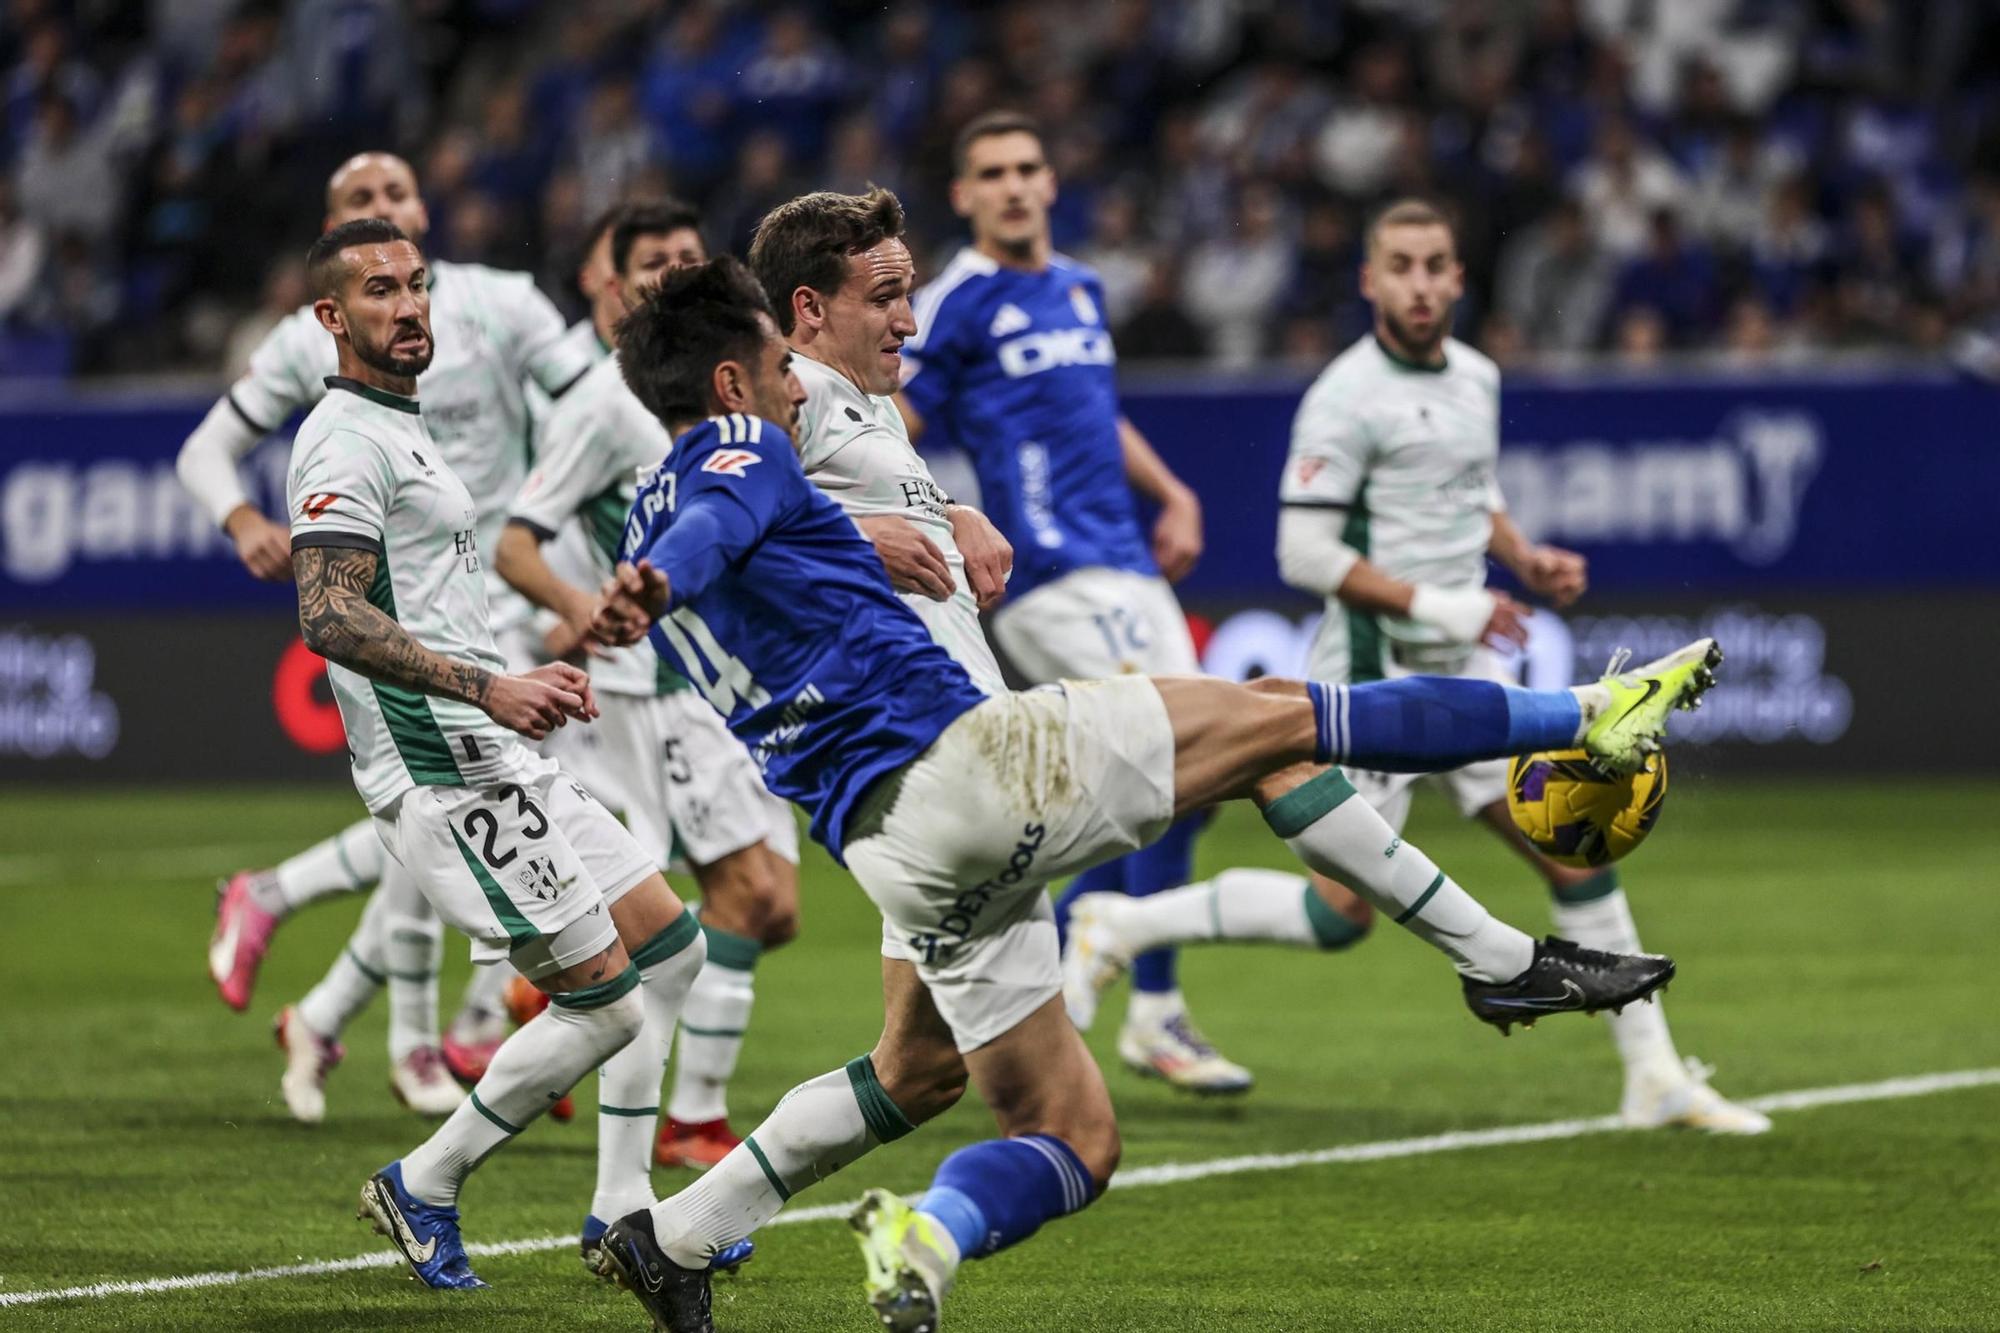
x,y
729,462
1086,309
317,504
1010,318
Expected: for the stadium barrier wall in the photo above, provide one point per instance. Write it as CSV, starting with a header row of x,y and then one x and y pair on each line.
x,y
1835,532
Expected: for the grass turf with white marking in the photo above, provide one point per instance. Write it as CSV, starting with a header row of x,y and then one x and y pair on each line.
x,y
1827,935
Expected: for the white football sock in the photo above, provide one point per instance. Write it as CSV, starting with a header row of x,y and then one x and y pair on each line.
x,y
1341,836
1644,1043
348,862
531,1071
712,1028
359,971
628,1084
412,949
1245,903
1153,1008
821,1126
482,1012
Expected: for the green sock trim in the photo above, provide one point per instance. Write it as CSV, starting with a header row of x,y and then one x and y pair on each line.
x,y
1601,885
1418,905
885,1121
413,976
372,974
340,854
487,1111
765,1162
1306,804
730,950
602,1109
1330,928
693,1031
603,993
668,942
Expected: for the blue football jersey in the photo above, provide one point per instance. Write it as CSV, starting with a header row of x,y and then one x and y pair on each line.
x,y
782,615
1018,370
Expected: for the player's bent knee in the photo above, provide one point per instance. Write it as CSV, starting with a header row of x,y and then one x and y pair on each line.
x,y
923,1084
781,925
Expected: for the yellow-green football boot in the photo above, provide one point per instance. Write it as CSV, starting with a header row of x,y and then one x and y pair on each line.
x,y
1631,722
911,1261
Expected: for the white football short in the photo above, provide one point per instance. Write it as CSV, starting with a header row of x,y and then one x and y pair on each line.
x,y
1094,623
957,847
683,784
1471,788
527,870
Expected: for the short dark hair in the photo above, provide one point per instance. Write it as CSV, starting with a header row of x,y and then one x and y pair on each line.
x,y
648,217
697,318
990,125
806,242
324,269
1410,212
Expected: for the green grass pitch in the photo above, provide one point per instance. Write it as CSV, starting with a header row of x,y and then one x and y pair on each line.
x,y
1827,934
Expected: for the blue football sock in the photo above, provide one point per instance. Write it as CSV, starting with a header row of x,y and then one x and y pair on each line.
x,y
998,1192
1162,865
1425,724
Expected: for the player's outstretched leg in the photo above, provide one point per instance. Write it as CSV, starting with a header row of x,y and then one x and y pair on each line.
x,y
251,904
1108,931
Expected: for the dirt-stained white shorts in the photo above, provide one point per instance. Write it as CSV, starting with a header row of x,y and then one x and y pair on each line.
x,y
956,849
527,869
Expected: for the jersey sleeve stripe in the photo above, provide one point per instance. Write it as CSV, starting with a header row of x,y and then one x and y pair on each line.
x,y
247,419
355,541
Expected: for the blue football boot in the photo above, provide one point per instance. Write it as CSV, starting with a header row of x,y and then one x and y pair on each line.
x,y
427,1237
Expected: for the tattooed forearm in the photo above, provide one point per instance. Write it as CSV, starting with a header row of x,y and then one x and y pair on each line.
x,y
340,624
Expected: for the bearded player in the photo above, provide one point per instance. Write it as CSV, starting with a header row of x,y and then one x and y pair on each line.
x,y
496,333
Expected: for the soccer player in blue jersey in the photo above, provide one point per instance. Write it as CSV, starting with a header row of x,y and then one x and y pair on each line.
x,y
953,808
1013,363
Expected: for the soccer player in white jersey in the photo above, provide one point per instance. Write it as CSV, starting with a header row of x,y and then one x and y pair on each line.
x,y
1013,363
496,333
839,278
661,757
504,846
1390,511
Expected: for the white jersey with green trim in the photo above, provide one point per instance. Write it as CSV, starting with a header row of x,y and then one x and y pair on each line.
x,y
594,445
855,447
1409,454
494,332
366,474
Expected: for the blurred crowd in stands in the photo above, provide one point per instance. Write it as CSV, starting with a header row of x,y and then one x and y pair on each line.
x,y
1750,181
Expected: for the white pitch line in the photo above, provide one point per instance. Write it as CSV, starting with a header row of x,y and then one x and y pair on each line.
x,y
1168,1173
